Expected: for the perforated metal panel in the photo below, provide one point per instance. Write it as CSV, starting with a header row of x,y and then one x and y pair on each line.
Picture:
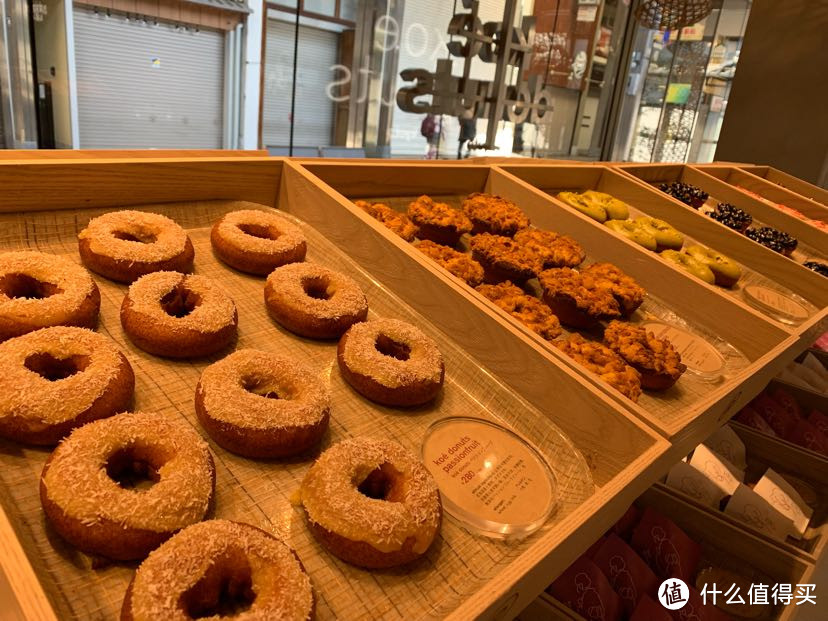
x,y
314,109
146,85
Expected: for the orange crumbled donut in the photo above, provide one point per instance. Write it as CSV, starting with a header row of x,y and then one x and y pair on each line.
x,y
576,299
395,221
260,404
372,503
551,249
125,245
624,288
257,242
314,301
458,263
605,363
494,214
88,489
214,567
502,258
39,290
391,362
654,358
439,222
178,316
527,309
56,379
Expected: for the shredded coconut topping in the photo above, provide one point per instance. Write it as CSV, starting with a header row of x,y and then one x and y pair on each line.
x,y
73,282
162,237
25,394
77,479
282,588
424,363
302,399
332,500
287,235
215,309
286,288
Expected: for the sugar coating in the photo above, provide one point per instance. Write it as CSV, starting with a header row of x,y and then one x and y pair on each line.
x,y
286,289
170,238
331,498
289,235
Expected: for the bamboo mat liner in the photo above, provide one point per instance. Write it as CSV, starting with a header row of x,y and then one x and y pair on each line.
x,y
669,406
258,492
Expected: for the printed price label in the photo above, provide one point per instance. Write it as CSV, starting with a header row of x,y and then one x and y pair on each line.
x,y
489,477
699,355
768,299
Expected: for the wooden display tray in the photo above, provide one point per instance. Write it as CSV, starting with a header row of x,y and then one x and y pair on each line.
x,y
685,420
761,264
711,180
767,189
624,456
108,154
722,542
789,182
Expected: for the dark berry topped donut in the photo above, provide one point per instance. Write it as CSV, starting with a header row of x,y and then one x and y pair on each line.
x,y
819,268
686,193
774,239
732,217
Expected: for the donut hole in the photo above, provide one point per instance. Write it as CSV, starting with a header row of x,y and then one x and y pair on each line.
x,y
225,589
136,235
24,286
54,369
265,387
180,302
317,287
395,349
135,467
260,231
382,483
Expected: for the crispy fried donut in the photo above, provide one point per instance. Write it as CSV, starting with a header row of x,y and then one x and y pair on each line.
x,y
259,404
221,568
372,503
257,242
178,316
85,486
39,290
125,245
314,301
391,362
56,379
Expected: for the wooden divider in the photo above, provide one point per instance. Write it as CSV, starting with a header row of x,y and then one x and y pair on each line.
x,y
789,182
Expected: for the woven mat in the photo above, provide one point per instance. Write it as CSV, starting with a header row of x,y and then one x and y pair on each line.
x,y
258,492
669,406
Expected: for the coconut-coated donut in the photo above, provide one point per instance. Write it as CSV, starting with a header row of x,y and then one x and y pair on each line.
x,y
125,245
391,362
216,566
372,503
56,379
257,242
178,316
314,301
89,508
259,404
39,290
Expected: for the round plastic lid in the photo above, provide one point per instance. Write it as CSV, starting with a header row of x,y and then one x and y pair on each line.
x,y
491,480
786,307
701,357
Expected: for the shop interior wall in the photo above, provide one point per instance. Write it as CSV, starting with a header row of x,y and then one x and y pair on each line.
x,y
776,111
53,67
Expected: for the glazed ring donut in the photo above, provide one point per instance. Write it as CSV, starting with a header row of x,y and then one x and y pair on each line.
x,y
215,566
125,245
372,503
391,362
257,242
55,379
87,484
178,316
314,301
39,290
259,404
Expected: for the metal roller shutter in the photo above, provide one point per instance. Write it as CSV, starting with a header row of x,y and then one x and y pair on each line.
x,y
145,85
314,110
